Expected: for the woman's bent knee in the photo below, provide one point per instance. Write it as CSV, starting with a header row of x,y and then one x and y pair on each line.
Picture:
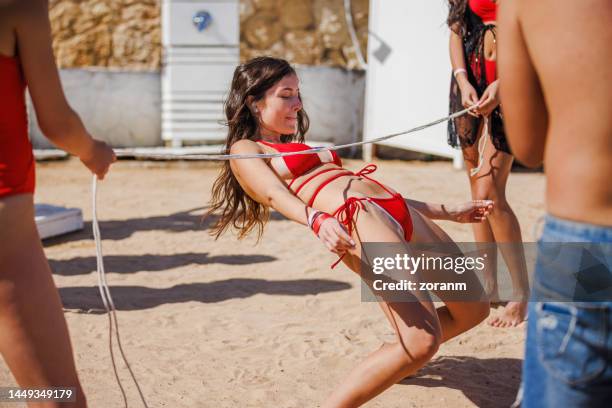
x,y
498,197
487,191
417,348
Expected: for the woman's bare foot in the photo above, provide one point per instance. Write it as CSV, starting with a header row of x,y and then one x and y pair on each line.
x,y
514,314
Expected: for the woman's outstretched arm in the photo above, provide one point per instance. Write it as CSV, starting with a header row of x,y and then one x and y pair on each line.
x,y
471,211
264,186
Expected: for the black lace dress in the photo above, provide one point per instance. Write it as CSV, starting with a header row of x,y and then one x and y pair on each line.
x,y
463,130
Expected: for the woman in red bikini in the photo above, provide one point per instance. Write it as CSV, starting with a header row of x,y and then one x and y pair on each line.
x,y
264,114
474,81
34,337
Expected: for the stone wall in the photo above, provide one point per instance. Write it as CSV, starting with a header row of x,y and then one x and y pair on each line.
x,y
308,32
124,34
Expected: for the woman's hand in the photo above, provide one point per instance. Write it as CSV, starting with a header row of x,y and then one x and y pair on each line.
x,y
489,99
98,158
335,237
469,97
472,211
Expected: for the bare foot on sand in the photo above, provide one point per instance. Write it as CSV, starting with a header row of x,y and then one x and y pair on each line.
x,y
514,314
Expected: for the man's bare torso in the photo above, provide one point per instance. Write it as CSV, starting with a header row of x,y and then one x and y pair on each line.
x,y
570,44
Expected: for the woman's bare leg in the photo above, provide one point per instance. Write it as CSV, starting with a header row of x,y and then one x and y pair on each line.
x,y
455,317
482,230
416,324
34,341
490,183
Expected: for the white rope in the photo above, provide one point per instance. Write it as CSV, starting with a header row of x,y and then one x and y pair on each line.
x,y
482,144
109,304
222,157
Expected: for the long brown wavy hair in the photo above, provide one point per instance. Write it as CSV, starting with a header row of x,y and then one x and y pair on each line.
x,y
229,201
456,15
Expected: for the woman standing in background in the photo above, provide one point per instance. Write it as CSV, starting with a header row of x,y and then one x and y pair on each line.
x,y
483,142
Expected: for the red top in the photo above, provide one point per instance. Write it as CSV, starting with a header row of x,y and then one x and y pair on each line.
x,y
16,158
485,9
300,163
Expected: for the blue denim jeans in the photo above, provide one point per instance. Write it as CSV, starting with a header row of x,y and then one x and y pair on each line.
x,y
568,352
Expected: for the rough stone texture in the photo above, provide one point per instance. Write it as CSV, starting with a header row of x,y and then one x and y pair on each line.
x,y
331,24
106,33
296,14
247,9
302,47
262,30
265,4
361,9
306,32
126,34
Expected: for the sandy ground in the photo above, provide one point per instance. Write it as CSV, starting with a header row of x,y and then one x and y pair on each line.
x,y
229,323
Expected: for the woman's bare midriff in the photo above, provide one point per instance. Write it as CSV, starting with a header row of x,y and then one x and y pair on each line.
x,y
337,191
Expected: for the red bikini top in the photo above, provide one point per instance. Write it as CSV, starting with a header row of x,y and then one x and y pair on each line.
x,y
485,9
300,163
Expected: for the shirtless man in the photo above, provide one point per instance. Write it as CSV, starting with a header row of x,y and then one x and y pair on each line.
x,y
556,89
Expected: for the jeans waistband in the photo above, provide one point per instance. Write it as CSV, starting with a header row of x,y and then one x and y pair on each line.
x,y
560,230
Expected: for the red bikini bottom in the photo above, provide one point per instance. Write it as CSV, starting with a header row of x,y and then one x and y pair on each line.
x,y
394,206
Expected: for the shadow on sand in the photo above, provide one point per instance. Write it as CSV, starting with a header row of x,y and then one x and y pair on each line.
x,y
139,297
190,220
486,382
149,262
